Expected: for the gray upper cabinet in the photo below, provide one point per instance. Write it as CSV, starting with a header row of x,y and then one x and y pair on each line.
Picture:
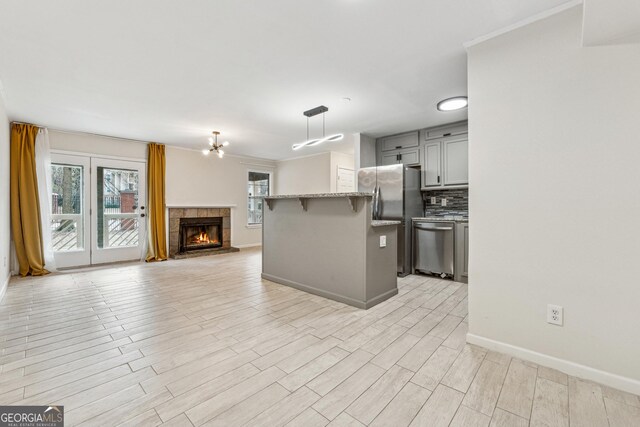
x,y
445,157
400,142
445,162
410,156
439,132
442,153
388,159
399,149
455,158
431,170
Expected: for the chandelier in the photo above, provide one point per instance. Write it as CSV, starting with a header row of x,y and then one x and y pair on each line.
x,y
215,146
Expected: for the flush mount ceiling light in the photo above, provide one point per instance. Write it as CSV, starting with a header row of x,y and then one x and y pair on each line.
x,y
317,141
213,143
452,104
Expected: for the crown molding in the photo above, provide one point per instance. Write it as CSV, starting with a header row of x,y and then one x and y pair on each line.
x,y
530,20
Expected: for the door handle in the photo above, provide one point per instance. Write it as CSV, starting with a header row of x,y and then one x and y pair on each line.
x,y
434,228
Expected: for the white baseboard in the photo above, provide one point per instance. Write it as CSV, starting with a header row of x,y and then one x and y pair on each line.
x,y
3,287
250,245
575,369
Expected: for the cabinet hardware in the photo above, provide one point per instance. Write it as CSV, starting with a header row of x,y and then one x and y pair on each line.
x,y
398,147
433,228
438,179
447,134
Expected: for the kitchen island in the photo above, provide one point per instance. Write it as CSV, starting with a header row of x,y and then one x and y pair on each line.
x,y
328,245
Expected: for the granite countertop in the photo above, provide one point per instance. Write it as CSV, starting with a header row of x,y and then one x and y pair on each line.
x,y
320,195
381,223
456,218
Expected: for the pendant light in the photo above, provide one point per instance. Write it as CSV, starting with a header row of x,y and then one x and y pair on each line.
x,y
317,141
213,143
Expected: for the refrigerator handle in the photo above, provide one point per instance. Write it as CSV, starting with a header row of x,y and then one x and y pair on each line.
x,y
378,202
374,203
376,196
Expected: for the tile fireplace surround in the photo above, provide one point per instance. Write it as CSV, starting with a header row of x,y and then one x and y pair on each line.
x,y
174,229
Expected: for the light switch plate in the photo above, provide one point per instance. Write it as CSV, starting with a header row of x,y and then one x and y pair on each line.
x,y
444,202
383,241
434,200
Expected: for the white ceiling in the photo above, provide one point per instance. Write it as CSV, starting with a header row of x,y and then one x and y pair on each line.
x,y
172,71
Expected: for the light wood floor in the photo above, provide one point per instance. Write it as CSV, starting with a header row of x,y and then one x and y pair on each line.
x,y
206,341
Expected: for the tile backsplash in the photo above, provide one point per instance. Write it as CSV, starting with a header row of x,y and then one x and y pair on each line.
x,y
457,202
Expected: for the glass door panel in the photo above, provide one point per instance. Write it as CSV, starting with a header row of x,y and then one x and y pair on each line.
x,y
119,200
69,216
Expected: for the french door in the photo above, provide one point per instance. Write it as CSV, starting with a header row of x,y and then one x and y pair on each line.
x,y
98,210
117,210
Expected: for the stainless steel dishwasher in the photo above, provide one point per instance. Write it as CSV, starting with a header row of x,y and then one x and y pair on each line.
x,y
433,247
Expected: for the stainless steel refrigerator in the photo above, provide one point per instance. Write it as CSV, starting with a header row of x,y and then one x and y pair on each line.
x,y
396,190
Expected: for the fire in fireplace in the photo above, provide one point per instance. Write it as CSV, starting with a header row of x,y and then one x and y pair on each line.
x,y
200,233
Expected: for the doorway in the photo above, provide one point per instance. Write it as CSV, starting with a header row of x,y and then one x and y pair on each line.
x,y
98,210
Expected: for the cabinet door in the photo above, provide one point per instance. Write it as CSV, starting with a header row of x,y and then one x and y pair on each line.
x,y
389,159
431,176
398,142
456,160
445,131
409,157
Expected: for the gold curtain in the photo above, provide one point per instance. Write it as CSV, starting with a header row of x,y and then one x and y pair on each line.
x,y
25,208
157,247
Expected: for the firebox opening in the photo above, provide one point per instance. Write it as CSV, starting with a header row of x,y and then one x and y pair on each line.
x,y
200,233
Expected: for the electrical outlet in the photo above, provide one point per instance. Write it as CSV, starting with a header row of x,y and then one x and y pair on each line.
x,y
434,200
555,314
443,202
383,241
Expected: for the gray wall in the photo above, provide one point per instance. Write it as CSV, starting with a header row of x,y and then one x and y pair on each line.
x,y
367,152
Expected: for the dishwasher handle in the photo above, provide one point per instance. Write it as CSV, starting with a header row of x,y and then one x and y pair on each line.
x,y
433,228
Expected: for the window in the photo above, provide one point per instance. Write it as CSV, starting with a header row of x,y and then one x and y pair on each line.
x,y
258,188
